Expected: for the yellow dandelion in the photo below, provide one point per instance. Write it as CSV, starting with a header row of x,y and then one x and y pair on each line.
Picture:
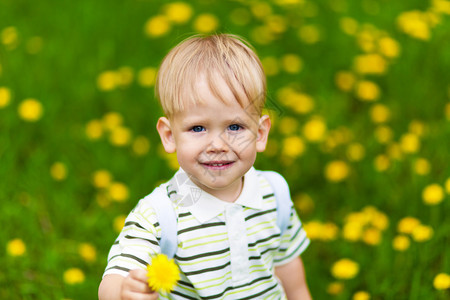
x,y
10,37
120,136
101,179
366,39
421,166
293,146
370,64
447,111
30,110
58,171
380,113
345,80
94,129
271,65
329,232
414,23
178,12
433,194
163,274
119,222
141,145
388,47
348,25
380,221
382,163
157,26
367,90
261,9
276,24
313,229
410,143
447,185
262,35
125,76
401,243
407,225
73,276
206,23
304,203
372,236
417,127
394,151
422,233
5,96
383,134
361,295
315,129
355,152
345,269
352,231
112,120
291,63
309,34
335,288
287,125
16,247
337,170
147,77
87,252
107,80
118,192
302,103
240,16
441,281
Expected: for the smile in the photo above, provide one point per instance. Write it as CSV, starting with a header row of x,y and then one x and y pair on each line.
x,y
219,165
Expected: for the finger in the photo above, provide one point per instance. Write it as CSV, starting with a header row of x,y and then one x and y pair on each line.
x,y
128,295
138,274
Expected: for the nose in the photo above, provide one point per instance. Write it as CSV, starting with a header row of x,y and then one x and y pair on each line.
x,y
217,144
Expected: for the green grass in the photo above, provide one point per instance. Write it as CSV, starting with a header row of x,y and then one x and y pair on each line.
x,y
82,39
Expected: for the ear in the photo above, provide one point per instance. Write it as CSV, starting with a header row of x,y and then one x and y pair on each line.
x,y
166,134
263,133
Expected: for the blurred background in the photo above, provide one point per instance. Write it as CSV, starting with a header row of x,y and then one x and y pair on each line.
x,y
358,93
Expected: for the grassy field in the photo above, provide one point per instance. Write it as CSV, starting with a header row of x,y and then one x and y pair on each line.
x,y
359,95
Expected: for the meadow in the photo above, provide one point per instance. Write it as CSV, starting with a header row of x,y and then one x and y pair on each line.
x,y
358,94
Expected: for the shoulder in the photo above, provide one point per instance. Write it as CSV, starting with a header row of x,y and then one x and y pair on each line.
x,y
147,205
274,178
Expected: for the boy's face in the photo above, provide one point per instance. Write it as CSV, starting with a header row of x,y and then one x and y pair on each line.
x,y
216,142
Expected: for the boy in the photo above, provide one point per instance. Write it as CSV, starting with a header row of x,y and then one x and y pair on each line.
x,y
212,90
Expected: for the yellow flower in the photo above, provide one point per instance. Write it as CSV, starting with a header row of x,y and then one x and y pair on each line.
x,y
304,203
119,222
118,191
335,288
348,25
447,185
414,23
293,146
389,47
329,231
352,231
147,77
101,179
345,80
163,274
382,163
380,113
87,252
276,24
262,35
345,269
141,145
394,151
10,37
355,152
5,96
240,16
433,194
383,134
313,229
125,76
178,12
291,63
441,281
206,23
361,295
370,64
422,233
107,80
16,247
409,143
261,9
336,170
447,111
288,125
58,171
401,243
309,34
30,110
314,130
157,26
367,90
112,120
372,236
407,225
94,129
73,276
271,65
120,136
417,127
422,166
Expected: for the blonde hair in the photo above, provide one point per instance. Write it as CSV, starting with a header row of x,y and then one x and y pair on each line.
x,y
216,57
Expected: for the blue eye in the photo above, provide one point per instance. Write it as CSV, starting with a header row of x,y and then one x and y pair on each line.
x,y
198,128
234,127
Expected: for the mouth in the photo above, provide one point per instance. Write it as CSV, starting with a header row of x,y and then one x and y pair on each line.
x,y
217,165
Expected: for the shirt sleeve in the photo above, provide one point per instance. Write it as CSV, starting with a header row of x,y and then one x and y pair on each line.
x,y
293,241
137,242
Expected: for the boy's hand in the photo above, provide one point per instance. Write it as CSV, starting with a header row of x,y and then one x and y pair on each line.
x,y
135,287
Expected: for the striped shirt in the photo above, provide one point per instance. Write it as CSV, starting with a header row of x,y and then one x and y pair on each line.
x,y
225,250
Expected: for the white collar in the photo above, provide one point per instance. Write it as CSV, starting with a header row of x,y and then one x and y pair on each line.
x,y
204,206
